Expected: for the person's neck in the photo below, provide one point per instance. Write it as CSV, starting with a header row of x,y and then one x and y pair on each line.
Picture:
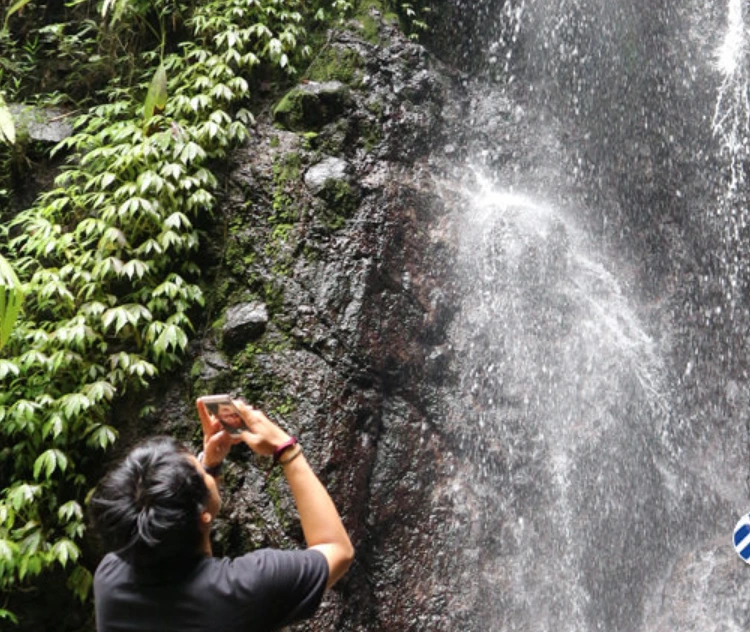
x,y
205,545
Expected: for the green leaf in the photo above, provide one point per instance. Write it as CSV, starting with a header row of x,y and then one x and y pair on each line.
x,y
11,298
132,314
134,267
22,495
8,550
53,426
170,338
69,511
64,550
80,582
7,614
102,437
50,460
119,7
7,126
156,98
178,220
7,516
100,390
8,368
73,404
16,6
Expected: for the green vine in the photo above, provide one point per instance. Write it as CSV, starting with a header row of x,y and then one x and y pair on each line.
x,y
106,257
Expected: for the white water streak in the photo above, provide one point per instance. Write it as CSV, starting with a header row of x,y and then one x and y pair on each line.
x,y
731,118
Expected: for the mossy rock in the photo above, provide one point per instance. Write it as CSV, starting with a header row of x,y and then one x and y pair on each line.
x,y
46,125
311,106
341,200
337,63
371,15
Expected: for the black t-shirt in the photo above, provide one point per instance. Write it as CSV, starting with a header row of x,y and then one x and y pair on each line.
x,y
263,590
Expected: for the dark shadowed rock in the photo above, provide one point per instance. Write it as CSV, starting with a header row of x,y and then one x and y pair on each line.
x,y
243,323
310,106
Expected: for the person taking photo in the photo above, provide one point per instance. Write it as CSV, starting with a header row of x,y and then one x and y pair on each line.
x,y
154,513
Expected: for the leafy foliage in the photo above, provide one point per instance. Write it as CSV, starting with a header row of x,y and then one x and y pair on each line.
x,y
11,297
415,14
7,126
106,257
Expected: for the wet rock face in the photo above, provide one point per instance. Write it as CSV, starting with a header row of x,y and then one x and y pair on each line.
x,y
705,590
244,322
330,304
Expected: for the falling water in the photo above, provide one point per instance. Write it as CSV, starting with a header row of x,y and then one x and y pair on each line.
x,y
589,495
562,416
731,123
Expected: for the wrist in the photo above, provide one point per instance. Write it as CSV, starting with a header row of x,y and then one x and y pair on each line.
x,y
290,455
215,469
283,447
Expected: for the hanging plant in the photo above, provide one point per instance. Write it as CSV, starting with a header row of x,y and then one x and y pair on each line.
x,y
11,298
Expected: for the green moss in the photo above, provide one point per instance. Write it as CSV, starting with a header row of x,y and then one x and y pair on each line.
x,y
376,107
220,381
218,324
370,20
370,24
286,407
309,140
239,255
338,64
310,108
287,168
289,112
196,370
276,251
341,200
370,28
273,294
256,381
286,175
370,134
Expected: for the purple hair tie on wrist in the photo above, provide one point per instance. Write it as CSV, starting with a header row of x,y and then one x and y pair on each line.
x,y
292,441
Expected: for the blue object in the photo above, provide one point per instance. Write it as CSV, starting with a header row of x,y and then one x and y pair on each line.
x,y
741,538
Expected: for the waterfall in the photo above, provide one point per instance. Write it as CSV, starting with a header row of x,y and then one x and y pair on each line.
x,y
561,417
595,415
730,120
731,123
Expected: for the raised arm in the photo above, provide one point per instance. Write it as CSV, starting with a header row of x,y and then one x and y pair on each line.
x,y
321,523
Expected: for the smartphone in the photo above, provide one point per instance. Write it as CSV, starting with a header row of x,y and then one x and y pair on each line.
x,y
225,412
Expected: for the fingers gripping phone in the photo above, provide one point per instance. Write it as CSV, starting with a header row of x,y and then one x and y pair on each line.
x,y
225,412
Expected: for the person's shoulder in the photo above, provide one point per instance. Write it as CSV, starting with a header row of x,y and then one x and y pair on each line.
x,y
260,557
110,560
110,566
277,564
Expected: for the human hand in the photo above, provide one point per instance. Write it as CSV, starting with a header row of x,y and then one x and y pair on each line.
x,y
216,441
262,435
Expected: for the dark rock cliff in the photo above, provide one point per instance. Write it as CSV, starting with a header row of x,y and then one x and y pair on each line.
x,y
329,281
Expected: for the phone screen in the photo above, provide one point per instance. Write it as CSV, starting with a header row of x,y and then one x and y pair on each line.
x,y
225,412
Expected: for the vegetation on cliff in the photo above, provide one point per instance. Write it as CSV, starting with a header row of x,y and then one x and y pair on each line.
x,y
158,93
